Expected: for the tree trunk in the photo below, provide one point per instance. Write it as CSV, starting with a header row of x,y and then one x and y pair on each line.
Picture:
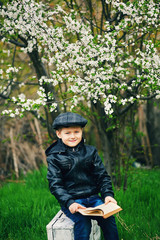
x,y
145,139
153,126
15,157
41,71
107,139
108,152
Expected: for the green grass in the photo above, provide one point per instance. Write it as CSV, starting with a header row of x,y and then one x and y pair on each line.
x,y
140,218
26,208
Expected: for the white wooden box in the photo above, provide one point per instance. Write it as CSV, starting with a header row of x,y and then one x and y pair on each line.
x,y
62,228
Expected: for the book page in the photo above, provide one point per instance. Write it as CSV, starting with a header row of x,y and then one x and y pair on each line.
x,y
105,210
110,207
92,212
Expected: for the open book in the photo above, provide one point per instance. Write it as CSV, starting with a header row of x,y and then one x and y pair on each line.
x,y
104,210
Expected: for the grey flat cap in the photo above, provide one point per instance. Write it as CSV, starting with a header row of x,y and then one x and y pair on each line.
x,y
69,119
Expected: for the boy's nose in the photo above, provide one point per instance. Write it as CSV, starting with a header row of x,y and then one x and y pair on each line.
x,y
72,135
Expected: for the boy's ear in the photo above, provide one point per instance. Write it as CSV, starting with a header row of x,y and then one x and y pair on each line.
x,y
58,133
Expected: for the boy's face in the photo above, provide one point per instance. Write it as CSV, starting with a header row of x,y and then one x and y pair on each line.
x,y
71,136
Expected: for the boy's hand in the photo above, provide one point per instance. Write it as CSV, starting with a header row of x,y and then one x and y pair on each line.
x,y
74,207
110,199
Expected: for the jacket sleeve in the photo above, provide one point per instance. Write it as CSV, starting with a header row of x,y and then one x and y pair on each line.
x,y
56,185
103,180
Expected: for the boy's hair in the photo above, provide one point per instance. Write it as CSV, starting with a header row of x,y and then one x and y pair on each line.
x,y
69,119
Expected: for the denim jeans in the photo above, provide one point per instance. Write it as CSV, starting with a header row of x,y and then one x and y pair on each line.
x,y
82,227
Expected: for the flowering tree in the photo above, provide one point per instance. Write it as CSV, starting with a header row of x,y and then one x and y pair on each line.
x,y
105,63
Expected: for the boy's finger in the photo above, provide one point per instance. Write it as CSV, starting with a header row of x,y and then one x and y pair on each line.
x,y
80,206
110,199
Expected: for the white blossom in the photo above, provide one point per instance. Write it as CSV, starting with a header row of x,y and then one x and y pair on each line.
x,y
93,68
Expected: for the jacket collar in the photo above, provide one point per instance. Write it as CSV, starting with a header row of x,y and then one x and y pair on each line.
x,y
59,147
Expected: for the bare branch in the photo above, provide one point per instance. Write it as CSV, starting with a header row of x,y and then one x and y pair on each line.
x,y
103,9
3,96
17,43
42,120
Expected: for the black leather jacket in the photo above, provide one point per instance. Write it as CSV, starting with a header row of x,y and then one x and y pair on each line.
x,y
76,173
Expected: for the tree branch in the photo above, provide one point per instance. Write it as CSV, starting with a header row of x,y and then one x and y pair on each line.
x,y
3,96
18,44
42,120
125,109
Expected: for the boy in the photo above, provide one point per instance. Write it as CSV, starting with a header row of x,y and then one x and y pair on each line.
x,y
76,176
